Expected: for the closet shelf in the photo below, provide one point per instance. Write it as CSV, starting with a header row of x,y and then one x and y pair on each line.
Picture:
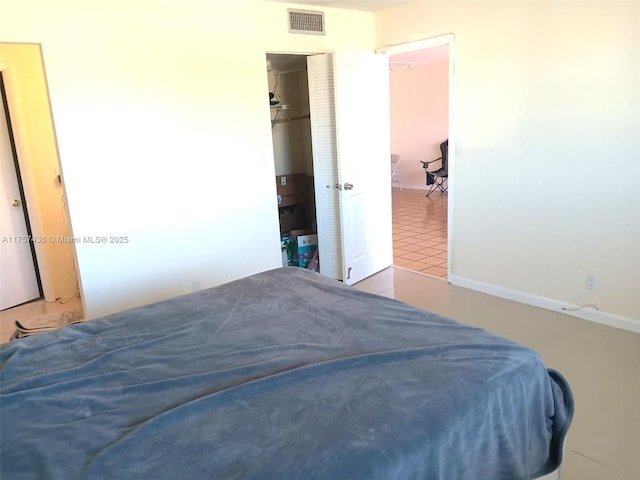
x,y
287,106
290,119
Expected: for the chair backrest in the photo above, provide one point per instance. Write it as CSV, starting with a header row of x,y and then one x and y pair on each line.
x,y
395,160
444,150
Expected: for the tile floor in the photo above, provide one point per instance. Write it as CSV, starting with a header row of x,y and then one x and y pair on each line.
x,y
602,365
31,310
420,231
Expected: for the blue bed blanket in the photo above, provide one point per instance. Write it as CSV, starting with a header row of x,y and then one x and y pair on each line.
x,y
282,375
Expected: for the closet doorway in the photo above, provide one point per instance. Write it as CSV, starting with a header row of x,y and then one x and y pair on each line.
x,y
349,155
293,156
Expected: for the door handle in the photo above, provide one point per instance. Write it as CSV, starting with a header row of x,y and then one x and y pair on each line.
x,y
16,203
348,186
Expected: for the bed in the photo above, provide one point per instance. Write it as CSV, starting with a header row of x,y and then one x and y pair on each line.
x,y
282,375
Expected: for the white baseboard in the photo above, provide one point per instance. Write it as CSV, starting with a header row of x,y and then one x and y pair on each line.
x,y
587,313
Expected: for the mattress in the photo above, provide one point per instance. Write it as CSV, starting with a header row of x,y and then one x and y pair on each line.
x,y
284,374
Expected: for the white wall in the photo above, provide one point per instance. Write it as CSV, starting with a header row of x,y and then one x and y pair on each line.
x,y
163,125
548,107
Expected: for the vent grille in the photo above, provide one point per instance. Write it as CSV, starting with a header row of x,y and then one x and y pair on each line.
x,y
306,21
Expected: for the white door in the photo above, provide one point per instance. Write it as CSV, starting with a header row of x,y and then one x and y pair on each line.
x,y
349,101
18,283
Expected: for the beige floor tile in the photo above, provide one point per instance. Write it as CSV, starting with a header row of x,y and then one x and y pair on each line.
x,y
440,247
418,232
30,310
403,262
380,282
420,226
579,467
435,271
425,243
415,248
413,256
427,237
433,261
403,236
439,238
419,266
400,251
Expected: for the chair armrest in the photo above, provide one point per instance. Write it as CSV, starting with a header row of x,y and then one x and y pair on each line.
x,y
426,164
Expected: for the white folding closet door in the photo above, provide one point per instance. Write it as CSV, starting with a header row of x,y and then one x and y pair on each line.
x,y
325,164
349,98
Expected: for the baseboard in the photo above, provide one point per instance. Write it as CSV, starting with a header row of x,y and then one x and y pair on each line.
x,y
587,313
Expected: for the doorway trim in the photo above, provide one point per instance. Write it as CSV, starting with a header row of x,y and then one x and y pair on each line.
x,y
424,44
28,180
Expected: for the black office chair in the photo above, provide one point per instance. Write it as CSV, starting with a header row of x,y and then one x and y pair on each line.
x,y
437,179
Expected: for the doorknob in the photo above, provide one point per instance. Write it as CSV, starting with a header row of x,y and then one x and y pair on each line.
x,y
348,186
16,203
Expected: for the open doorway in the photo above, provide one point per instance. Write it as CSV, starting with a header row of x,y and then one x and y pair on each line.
x,y
293,158
37,169
421,82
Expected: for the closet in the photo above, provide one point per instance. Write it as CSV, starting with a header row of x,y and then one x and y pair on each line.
x,y
292,151
331,143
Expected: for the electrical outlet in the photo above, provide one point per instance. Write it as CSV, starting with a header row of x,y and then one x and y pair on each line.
x,y
592,282
196,285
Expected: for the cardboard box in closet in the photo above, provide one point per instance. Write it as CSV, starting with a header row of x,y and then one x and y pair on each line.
x,y
304,245
292,189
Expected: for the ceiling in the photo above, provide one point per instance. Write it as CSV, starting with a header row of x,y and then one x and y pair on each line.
x,y
365,5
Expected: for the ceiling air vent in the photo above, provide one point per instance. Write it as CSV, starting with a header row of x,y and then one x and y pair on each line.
x,y
306,21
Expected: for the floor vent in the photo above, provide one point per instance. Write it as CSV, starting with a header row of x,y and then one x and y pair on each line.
x,y
306,21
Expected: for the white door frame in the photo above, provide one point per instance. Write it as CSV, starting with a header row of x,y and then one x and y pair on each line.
x,y
434,42
28,184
